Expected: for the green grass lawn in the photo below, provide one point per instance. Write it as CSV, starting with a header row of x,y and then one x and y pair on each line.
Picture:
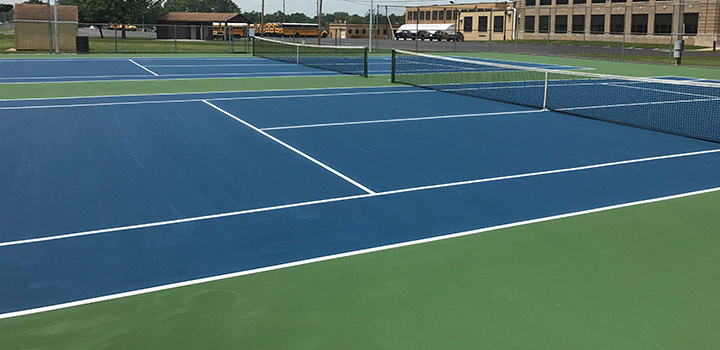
x,y
687,60
6,42
606,43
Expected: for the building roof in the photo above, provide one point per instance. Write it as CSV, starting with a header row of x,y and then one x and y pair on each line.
x,y
40,12
203,17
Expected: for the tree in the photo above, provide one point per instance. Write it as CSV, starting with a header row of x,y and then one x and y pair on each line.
x,y
39,2
5,7
227,6
115,11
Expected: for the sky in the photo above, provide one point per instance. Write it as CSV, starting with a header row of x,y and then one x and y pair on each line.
x,y
329,6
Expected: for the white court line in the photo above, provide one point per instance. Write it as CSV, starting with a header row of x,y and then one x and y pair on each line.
x,y
216,99
143,67
377,121
396,86
279,63
345,198
661,90
319,74
75,76
301,153
637,104
342,255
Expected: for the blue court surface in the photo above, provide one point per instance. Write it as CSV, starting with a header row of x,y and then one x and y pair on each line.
x,y
113,69
115,194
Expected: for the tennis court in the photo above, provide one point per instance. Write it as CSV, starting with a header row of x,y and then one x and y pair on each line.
x,y
148,68
114,204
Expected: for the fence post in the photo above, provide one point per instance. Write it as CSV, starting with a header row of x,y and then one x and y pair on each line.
x,y
545,94
116,42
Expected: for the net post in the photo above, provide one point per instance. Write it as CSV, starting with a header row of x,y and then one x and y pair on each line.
x,y
365,63
392,66
545,93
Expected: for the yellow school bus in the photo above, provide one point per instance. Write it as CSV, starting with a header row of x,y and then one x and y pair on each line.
x,y
237,30
299,30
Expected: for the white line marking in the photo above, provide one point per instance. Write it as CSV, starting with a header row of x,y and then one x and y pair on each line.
x,y
301,153
637,104
396,86
661,90
246,65
143,67
377,121
218,99
342,255
319,74
340,199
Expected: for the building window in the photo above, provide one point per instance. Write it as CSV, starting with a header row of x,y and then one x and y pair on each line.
x,y
357,31
639,24
597,24
482,24
561,2
529,2
385,31
691,23
561,24
498,23
617,24
427,15
578,24
579,1
364,32
422,15
663,24
545,2
434,15
598,1
441,15
529,24
448,14
544,25
467,24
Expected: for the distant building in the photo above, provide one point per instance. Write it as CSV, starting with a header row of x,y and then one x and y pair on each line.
x,y
193,25
32,29
639,21
346,30
481,21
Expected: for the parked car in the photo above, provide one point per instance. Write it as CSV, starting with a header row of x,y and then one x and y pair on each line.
x,y
423,34
440,35
457,36
404,35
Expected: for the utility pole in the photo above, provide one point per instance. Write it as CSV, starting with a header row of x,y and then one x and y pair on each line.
x,y
262,19
371,28
50,33
57,36
319,20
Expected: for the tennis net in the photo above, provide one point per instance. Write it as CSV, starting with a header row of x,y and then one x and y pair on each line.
x,y
687,108
343,59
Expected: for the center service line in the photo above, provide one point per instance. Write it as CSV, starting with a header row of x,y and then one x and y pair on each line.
x,y
143,67
357,184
